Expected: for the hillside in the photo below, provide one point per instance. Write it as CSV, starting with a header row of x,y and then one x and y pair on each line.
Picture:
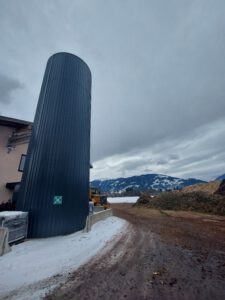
x,y
206,198
209,187
143,183
221,177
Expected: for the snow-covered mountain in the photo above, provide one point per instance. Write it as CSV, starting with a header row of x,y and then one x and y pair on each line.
x,y
143,182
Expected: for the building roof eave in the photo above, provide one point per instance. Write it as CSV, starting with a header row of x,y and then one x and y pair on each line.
x,y
16,123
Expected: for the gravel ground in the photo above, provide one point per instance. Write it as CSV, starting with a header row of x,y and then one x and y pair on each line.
x,y
164,255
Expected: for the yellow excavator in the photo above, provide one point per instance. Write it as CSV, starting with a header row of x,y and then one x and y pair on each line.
x,y
98,198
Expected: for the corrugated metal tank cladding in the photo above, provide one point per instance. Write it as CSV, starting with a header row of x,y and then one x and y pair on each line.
x,y
55,182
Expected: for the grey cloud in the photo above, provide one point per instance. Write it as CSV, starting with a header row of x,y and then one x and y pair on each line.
x,y
158,73
174,156
134,164
170,93
7,87
199,159
162,162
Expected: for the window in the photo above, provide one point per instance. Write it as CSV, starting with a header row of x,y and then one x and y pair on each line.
x,y
22,163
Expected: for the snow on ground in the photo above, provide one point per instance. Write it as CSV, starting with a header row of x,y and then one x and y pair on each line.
x,y
32,261
122,199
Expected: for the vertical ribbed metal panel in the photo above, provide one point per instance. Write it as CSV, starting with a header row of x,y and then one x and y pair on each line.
x,y
58,156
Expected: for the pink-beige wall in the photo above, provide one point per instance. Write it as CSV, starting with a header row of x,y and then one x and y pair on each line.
x,y
9,163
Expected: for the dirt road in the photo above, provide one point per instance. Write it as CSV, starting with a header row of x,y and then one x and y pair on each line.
x,y
164,255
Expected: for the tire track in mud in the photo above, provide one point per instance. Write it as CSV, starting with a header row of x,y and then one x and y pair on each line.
x,y
152,261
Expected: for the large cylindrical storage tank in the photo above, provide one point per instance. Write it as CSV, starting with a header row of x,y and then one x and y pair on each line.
x,y
55,182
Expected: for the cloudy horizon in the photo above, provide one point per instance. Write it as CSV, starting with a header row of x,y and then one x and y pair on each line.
x,y
158,74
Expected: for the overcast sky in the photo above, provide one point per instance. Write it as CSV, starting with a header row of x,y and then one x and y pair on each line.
x,y
158,71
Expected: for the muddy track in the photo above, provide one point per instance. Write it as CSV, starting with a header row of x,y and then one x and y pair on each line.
x,y
162,256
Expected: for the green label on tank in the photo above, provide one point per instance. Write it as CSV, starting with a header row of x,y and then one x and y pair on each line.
x,y
57,200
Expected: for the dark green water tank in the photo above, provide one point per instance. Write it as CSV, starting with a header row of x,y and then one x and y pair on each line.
x,y
55,183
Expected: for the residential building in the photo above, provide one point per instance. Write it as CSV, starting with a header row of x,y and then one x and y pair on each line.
x,y
14,139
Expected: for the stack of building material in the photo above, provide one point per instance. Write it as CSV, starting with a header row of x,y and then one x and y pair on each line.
x,y
16,222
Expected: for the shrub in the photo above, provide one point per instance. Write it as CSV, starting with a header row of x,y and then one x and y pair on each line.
x,y
194,201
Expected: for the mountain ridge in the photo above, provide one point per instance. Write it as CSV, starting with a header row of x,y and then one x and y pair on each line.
x,y
143,182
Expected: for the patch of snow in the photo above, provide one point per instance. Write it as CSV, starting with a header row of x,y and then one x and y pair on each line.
x,y
33,261
127,187
122,199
